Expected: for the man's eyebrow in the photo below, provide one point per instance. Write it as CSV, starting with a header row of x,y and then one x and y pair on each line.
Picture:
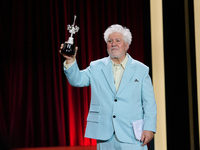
x,y
114,38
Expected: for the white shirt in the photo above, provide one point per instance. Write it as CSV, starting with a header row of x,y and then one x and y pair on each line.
x,y
118,70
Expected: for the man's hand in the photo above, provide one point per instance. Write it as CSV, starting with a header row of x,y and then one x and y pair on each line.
x,y
146,137
69,59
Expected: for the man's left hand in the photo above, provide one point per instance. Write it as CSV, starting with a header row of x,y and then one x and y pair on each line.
x,y
146,137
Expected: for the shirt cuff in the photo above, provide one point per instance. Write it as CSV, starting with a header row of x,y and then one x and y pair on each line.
x,y
67,66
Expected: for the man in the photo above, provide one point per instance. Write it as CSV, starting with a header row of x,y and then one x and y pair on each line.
x,y
121,94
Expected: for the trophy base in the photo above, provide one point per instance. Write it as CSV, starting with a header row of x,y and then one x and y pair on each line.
x,y
68,49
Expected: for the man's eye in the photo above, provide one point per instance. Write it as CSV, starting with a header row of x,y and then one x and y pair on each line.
x,y
109,41
118,41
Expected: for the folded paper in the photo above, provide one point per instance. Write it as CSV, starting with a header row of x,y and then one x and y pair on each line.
x,y
138,128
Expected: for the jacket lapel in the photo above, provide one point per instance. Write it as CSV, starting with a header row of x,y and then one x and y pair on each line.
x,y
127,75
108,73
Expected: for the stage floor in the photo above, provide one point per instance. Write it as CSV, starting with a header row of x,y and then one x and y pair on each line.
x,y
60,148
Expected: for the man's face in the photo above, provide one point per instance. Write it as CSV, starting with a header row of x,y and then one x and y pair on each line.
x,y
116,46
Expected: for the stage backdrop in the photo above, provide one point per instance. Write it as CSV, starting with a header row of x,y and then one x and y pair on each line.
x,y
38,107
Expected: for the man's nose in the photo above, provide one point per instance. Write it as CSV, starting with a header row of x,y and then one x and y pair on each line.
x,y
113,43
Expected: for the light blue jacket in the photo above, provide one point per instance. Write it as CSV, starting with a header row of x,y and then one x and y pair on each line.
x,y
134,100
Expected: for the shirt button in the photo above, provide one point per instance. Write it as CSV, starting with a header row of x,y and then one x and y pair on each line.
x,y
114,116
115,100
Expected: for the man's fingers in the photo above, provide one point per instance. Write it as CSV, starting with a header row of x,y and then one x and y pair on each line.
x,y
61,46
142,138
145,141
76,49
146,137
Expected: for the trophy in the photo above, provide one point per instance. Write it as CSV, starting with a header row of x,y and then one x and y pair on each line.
x,y
69,48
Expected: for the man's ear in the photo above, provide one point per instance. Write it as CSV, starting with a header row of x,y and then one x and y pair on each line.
x,y
127,46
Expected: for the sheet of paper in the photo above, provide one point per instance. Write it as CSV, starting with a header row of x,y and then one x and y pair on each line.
x,y
138,128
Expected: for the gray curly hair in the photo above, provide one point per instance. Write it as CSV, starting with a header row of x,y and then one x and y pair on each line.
x,y
126,34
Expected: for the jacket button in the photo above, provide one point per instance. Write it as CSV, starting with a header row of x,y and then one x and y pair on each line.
x,y
114,116
115,100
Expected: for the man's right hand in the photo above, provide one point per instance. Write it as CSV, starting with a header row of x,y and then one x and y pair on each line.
x,y
69,59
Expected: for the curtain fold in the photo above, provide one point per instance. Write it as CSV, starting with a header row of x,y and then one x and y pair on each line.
x,y
38,107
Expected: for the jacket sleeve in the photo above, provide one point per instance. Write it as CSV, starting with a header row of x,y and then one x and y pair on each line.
x,y
149,103
77,77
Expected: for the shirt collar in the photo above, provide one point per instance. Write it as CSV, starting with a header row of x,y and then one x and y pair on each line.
x,y
123,63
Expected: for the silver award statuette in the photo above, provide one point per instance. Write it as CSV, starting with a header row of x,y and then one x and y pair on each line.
x,y
69,48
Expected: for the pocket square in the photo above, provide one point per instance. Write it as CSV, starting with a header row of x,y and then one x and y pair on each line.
x,y
136,80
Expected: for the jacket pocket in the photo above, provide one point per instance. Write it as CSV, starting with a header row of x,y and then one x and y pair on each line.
x,y
93,117
95,108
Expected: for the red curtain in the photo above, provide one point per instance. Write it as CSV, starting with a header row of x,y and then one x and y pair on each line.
x,y
37,105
